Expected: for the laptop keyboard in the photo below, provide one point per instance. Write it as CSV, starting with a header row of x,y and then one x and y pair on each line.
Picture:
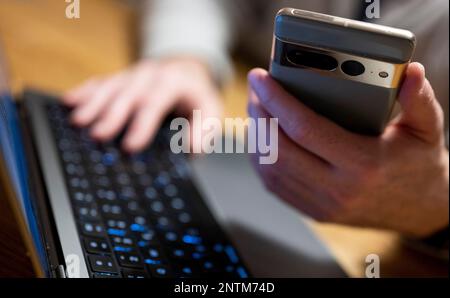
x,y
139,216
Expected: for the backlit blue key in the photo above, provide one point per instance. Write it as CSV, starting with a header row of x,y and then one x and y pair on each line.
x,y
192,239
242,273
108,159
231,253
152,262
116,232
143,243
122,249
138,228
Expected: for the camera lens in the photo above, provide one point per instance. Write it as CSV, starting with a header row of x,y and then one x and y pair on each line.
x,y
304,58
353,68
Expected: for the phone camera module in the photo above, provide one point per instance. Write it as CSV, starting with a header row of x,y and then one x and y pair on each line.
x,y
353,68
305,58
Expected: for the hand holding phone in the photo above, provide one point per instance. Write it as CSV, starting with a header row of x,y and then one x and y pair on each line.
x,y
348,71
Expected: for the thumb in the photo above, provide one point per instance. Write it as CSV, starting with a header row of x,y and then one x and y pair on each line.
x,y
421,114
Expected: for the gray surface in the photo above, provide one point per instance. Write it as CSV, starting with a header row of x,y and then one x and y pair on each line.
x,y
53,177
272,238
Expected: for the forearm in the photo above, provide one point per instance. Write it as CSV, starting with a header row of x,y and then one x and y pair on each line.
x,y
198,28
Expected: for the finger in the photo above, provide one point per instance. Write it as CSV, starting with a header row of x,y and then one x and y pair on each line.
x,y
148,119
421,113
80,94
295,193
89,110
285,180
311,131
208,104
122,105
116,115
294,160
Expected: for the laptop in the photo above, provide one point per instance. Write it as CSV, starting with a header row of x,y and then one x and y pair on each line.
x,y
88,210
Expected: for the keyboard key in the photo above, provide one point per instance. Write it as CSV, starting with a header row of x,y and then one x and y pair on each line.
x,y
147,239
130,273
138,167
125,249
106,194
171,236
136,212
95,156
170,190
102,264
153,252
190,239
157,207
98,169
92,229
123,179
140,220
129,260
242,272
82,197
108,159
134,208
164,223
138,228
177,204
151,193
87,213
184,218
127,193
71,157
116,232
80,183
111,209
116,224
102,181
96,245
74,169
160,271
231,253
122,241
162,180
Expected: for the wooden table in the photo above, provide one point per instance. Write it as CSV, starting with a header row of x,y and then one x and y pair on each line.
x,y
48,51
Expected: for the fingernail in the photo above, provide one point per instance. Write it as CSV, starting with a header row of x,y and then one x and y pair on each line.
x,y
422,68
253,79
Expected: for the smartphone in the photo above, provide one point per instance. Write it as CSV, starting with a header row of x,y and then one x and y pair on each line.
x,y
348,71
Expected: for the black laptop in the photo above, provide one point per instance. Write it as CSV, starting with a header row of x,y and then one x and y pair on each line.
x,y
86,209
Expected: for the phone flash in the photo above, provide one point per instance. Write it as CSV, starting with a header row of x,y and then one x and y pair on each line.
x,y
383,74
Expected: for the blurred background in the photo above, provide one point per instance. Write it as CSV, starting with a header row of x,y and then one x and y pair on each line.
x,y
47,51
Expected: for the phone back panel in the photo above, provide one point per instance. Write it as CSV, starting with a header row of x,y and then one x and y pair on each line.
x,y
358,107
361,107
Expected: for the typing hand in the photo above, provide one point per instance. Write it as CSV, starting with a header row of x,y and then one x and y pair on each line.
x,y
397,181
143,95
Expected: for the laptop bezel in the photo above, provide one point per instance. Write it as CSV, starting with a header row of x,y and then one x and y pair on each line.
x,y
54,184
